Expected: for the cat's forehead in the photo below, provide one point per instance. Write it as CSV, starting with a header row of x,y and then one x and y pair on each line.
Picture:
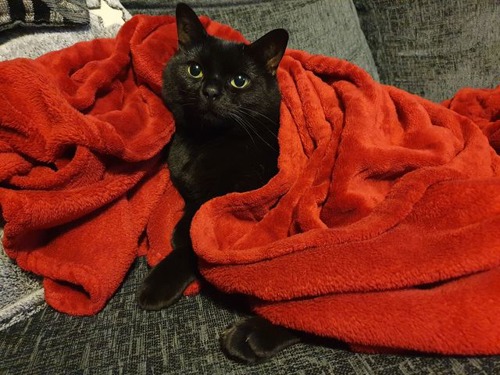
x,y
220,56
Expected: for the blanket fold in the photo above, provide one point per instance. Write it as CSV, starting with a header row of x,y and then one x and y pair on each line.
x,y
80,143
386,194
380,229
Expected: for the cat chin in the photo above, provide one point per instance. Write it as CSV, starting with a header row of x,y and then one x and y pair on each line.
x,y
213,118
216,122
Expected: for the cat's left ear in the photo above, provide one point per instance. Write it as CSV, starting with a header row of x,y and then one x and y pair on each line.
x,y
190,30
269,49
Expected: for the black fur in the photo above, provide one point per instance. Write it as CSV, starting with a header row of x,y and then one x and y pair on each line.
x,y
253,339
225,139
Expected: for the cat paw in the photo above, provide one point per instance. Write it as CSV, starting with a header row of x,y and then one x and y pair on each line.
x,y
152,297
253,339
164,285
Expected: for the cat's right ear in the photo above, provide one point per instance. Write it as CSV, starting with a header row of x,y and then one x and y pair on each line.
x,y
190,30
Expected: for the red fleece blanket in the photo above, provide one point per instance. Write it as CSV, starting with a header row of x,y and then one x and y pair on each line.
x,y
381,228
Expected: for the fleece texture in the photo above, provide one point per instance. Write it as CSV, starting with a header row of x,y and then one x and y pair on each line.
x,y
380,229
21,293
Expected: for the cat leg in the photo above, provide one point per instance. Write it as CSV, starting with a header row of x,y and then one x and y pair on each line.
x,y
166,282
255,338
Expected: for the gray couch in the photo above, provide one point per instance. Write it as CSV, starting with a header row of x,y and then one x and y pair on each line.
x,y
428,47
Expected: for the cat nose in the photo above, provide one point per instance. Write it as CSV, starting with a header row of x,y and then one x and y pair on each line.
x,y
211,92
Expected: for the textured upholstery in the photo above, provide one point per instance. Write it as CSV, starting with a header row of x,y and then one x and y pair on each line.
x,y
42,13
317,26
432,48
123,339
183,339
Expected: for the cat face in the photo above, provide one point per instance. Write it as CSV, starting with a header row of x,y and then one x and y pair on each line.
x,y
214,83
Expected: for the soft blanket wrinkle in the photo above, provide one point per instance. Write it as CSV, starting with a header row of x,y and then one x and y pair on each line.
x,y
380,229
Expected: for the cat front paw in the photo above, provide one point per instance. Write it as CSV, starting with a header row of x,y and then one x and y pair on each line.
x,y
152,297
254,339
165,284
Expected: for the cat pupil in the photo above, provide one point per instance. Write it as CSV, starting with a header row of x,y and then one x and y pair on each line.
x,y
240,80
195,70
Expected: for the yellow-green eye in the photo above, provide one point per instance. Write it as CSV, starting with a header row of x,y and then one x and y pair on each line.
x,y
195,71
240,81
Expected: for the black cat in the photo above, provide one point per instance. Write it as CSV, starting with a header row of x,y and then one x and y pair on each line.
x,y
225,100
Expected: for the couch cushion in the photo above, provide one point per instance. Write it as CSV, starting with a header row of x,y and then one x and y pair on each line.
x,y
183,339
431,47
317,26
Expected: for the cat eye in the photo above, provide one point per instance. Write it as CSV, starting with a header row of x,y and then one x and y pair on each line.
x,y
195,70
240,81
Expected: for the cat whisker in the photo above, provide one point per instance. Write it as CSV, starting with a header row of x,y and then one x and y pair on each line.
x,y
250,112
236,118
248,125
258,113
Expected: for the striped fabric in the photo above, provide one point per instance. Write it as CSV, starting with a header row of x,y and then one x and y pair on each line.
x,y
42,13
